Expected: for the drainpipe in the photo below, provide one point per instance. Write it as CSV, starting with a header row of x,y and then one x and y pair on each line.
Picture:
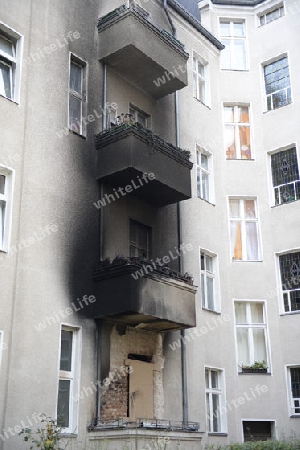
x,y
98,371
180,262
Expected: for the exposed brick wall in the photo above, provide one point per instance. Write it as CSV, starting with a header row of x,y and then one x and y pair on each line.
x,y
114,399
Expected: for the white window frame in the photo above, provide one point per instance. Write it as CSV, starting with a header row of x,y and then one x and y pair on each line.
x,y
221,392
280,290
1,345
263,65
272,188
250,326
74,59
8,199
205,80
243,221
213,275
14,62
280,6
135,111
290,398
232,38
73,376
209,172
236,126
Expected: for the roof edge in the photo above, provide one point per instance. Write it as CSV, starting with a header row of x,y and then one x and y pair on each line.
x,y
195,23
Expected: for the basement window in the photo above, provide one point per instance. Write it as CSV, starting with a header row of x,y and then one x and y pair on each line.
x,y
259,430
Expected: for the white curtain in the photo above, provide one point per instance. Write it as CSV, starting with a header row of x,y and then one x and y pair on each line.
x,y
251,241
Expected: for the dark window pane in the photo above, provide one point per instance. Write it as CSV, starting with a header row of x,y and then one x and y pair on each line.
x,y
63,403
295,381
289,270
2,184
76,78
66,350
284,167
295,299
5,80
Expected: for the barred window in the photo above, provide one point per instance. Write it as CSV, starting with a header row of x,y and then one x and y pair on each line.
x,y
277,83
290,280
285,176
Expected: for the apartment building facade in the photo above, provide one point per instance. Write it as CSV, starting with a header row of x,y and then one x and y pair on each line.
x,y
149,178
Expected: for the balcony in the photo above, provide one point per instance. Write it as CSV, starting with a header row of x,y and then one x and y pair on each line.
x,y
143,294
145,55
127,152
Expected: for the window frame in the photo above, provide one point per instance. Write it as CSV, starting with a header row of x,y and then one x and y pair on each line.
x,y
243,232
290,398
279,6
209,172
280,290
82,97
236,125
135,110
14,62
221,392
138,247
272,422
272,187
205,79
232,39
213,275
267,63
7,197
251,326
73,376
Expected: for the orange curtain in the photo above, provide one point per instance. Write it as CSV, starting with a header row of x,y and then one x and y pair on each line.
x,y
237,254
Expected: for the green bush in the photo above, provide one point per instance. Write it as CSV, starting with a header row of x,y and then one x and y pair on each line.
x,y
259,445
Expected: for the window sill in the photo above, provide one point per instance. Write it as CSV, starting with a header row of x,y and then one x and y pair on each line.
x,y
77,134
290,313
255,373
295,416
217,434
211,311
285,203
235,70
276,109
239,159
69,435
202,103
247,261
206,201
10,99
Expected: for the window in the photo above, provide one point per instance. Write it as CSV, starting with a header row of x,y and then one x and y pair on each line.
x,y
68,385
77,95
233,36
6,190
209,291
258,430
290,280
251,332
269,16
277,83
200,82
294,390
285,176
10,55
215,401
140,240
237,132
205,187
244,231
140,116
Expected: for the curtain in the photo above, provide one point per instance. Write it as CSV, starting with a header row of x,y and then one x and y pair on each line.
x,y
236,240
5,84
259,344
251,241
243,347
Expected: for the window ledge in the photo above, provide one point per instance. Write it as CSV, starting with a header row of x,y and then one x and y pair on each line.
x,y
255,373
239,159
290,313
211,311
295,416
69,435
235,70
276,109
247,261
206,201
217,434
285,203
10,99
202,103
77,134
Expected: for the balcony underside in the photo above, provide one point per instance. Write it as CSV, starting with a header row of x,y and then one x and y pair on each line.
x,y
152,302
126,152
142,53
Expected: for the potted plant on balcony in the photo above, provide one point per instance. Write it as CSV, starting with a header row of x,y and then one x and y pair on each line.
x,y
256,367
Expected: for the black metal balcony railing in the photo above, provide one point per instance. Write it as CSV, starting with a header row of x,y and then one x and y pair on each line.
x,y
126,124
123,10
141,265
156,424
